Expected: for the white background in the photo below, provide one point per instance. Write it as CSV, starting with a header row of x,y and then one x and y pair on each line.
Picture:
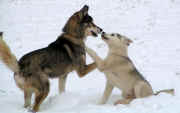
x,y
153,25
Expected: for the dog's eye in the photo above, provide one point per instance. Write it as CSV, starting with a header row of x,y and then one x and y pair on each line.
x,y
119,35
112,34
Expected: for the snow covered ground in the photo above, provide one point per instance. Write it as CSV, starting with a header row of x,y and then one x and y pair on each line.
x,y
154,25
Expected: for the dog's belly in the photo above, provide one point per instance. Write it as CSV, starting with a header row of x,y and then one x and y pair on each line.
x,y
58,71
125,83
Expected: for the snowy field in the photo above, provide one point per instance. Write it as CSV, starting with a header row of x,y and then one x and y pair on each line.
x,y
153,25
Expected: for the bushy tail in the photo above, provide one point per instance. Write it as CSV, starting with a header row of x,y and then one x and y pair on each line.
x,y
6,56
170,91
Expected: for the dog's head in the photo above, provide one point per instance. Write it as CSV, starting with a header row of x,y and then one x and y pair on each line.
x,y
116,40
81,24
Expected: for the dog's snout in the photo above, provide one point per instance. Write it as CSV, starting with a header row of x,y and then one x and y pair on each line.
x,y
99,29
102,34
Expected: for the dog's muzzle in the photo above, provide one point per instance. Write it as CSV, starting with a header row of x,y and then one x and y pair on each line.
x,y
103,36
96,32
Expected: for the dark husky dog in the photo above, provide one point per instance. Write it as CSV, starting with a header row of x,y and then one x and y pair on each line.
x,y
64,55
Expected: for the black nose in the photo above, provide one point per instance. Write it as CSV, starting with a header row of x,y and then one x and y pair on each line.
x,y
1,33
100,30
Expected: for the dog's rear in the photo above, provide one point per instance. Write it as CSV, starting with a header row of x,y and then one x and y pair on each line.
x,y
7,56
10,61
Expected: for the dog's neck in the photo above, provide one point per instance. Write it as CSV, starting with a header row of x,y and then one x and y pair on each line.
x,y
74,39
118,51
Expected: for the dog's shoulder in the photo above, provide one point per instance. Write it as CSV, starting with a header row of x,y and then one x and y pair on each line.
x,y
60,42
66,45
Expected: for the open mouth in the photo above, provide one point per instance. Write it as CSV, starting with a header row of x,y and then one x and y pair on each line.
x,y
94,34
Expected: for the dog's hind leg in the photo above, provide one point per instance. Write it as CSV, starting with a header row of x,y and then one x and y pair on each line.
x,y
27,98
127,97
107,92
41,94
143,89
62,83
39,98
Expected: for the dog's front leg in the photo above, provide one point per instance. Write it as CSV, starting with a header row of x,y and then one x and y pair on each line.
x,y
86,69
83,69
107,92
62,83
99,62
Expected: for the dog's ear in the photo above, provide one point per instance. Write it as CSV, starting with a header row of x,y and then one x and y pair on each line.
x,y
84,11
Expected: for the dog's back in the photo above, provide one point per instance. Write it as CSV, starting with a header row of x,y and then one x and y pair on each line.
x,y
121,71
53,60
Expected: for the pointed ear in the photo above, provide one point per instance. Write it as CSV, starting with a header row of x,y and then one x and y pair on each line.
x,y
84,10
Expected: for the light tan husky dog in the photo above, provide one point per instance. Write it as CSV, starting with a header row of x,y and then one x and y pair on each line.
x,y
121,72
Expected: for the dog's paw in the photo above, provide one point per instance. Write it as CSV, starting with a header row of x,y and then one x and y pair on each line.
x,y
31,111
101,103
123,101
